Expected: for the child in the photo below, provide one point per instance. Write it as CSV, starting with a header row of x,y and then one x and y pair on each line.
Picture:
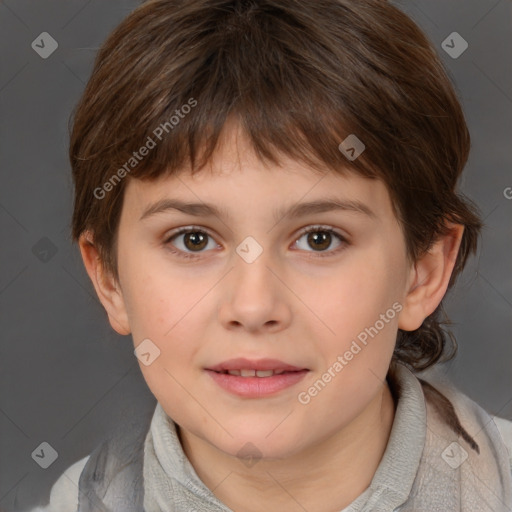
x,y
266,200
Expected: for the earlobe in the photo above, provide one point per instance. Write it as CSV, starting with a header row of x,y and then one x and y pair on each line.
x,y
106,286
429,278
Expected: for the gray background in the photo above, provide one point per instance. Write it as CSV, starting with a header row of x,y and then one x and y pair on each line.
x,y
65,376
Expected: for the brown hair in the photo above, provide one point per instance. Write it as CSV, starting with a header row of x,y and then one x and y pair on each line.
x,y
299,76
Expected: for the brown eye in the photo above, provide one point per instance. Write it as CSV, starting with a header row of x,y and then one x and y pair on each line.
x,y
196,240
319,240
190,242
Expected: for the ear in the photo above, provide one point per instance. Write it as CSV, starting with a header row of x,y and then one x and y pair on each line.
x,y
429,278
107,287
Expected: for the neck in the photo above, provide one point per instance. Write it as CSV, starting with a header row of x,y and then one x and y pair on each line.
x,y
325,477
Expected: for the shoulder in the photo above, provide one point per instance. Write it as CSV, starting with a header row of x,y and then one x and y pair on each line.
x,y
473,416
64,493
505,429
120,449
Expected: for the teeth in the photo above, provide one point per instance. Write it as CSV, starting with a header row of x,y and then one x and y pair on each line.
x,y
264,373
255,373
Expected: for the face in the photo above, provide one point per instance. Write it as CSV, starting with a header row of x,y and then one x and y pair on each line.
x,y
248,282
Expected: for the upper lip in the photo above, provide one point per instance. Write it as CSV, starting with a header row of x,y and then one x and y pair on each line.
x,y
242,363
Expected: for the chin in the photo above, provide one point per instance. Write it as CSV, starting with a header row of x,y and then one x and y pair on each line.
x,y
258,444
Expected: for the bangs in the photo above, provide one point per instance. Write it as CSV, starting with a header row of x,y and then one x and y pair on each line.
x,y
297,79
254,69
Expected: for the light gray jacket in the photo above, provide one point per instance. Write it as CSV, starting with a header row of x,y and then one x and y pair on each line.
x,y
426,466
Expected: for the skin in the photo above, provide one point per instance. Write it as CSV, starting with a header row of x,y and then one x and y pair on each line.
x,y
290,304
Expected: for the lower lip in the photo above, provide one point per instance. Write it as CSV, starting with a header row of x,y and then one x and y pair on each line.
x,y
256,387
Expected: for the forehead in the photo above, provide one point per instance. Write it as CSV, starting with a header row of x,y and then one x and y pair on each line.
x,y
236,178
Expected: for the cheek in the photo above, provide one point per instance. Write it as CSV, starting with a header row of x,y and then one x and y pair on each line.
x,y
154,297
360,306
360,291
169,310
165,310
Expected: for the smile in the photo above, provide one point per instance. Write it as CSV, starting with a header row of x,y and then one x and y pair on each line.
x,y
256,383
253,373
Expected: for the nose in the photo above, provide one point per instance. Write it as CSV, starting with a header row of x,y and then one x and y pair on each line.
x,y
254,297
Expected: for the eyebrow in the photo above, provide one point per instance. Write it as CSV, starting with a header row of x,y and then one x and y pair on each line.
x,y
296,210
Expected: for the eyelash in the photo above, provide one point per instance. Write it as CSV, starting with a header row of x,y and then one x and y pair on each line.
x,y
311,229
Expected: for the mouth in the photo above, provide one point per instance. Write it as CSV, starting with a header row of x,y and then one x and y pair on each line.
x,y
255,378
253,373
251,367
